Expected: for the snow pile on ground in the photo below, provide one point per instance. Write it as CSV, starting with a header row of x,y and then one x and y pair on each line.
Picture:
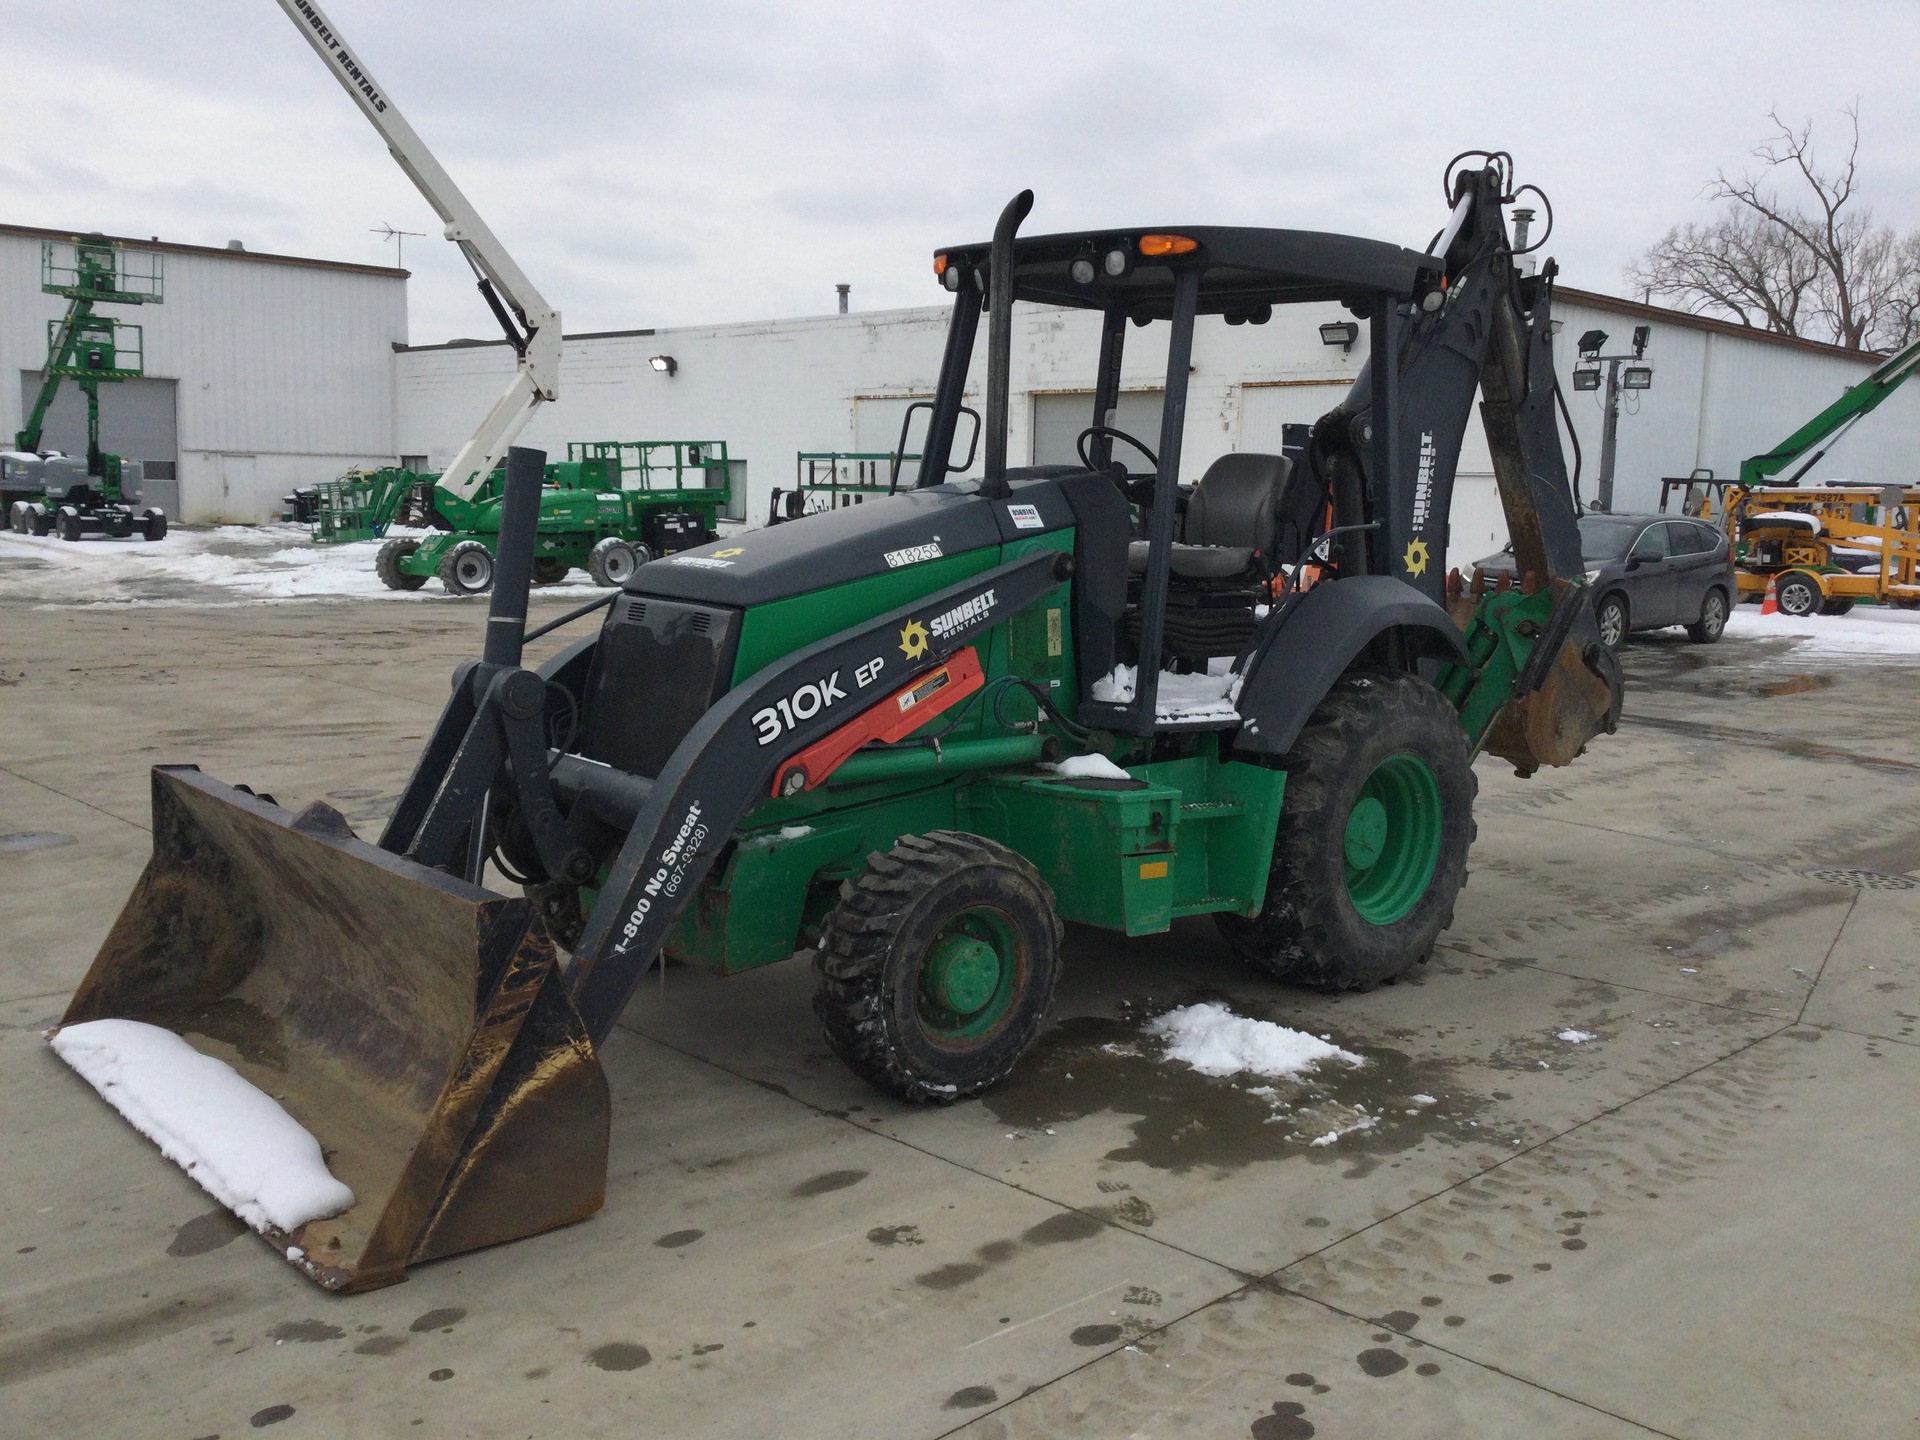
x,y
1867,632
230,562
1179,697
1215,1041
247,1152
1087,767
1575,1037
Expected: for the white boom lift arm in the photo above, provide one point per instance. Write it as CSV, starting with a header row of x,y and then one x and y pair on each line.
x,y
536,338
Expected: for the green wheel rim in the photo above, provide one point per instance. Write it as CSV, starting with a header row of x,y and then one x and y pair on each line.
x,y
1392,840
967,976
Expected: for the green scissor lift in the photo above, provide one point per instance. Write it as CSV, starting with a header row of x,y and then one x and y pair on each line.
x,y
609,507
91,350
835,479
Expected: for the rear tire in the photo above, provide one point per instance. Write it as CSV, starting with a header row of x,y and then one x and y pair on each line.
x,y
1712,623
549,571
1838,605
467,569
387,565
17,517
67,522
1615,623
936,968
153,524
612,562
1371,849
1798,594
39,522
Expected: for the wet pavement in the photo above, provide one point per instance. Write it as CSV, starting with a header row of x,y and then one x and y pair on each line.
x,y
1690,1221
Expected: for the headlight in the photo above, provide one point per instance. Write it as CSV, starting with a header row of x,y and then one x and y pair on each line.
x,y
1592,575
1082,271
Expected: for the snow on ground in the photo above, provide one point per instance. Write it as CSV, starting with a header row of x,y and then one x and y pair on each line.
x,y
1867,632
1215,1041
1575,1037
1087,767
1179,697
246,1151
238,563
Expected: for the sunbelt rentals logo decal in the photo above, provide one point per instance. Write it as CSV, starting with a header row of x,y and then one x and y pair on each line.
x,y
1417,557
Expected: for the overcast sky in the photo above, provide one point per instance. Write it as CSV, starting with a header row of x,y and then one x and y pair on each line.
x,y
662,164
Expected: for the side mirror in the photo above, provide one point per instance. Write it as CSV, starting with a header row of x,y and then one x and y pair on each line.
x,y
1634,562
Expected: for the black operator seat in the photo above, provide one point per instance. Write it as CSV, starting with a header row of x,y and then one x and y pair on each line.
x,y
1232,515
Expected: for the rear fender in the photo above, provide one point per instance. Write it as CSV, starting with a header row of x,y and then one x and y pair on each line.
x,y
1307,645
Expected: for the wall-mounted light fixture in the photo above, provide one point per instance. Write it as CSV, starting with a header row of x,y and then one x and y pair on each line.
x,y
1340,332
1586,377
665,364
1636,377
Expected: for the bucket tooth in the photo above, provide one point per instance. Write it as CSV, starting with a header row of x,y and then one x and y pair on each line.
x,y
416,1025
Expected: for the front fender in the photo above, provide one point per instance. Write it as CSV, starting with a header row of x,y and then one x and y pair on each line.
x,y
1310,643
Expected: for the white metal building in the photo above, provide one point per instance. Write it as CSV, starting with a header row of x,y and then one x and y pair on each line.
x,y
262,371
842,382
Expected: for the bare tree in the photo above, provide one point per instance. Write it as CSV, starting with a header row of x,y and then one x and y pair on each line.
x,y
1809,261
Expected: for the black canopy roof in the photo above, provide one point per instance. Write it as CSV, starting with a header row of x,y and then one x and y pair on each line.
x,y
1242,269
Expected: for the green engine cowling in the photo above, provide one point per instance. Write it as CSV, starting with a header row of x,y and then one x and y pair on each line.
x,y
1183,836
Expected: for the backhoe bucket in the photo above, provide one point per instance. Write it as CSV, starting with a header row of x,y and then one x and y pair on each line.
x,y
414,1024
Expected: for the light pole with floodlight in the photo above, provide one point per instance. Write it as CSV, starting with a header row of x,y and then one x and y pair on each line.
x,y
1623,372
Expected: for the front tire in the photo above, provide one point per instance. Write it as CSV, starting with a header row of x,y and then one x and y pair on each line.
x,y
467,569
936,968
549,571
1712,623
1798,594
67,523
1371,849
1614,621
386,565
612,562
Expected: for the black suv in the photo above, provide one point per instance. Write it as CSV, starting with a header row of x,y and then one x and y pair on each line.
x,y
1651,571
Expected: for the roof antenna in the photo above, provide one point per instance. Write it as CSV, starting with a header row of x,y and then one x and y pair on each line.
x,y
993,485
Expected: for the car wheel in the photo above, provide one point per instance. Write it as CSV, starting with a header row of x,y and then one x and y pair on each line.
x,y
1798,594
467,569
1611,616
1712,623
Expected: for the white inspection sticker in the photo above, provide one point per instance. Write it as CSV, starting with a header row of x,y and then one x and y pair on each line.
x,y
1024,517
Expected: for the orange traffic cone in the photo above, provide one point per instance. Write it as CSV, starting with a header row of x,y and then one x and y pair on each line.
x,y
1770,605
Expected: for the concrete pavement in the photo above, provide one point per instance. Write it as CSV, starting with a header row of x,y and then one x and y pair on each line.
x,y
1693,1223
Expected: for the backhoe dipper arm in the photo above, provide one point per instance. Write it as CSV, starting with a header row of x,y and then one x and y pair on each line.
x,y
536,335
1400,431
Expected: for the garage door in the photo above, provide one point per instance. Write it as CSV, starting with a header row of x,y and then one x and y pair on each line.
x,y
1265,411
136,419
1059,418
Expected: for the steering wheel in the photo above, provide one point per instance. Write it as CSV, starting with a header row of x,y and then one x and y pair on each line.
x,y
1092,430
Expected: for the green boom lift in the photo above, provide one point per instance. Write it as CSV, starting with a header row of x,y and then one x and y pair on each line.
x,y
91,350
1855,402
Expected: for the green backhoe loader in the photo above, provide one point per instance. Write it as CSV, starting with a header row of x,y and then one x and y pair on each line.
x,y
910,738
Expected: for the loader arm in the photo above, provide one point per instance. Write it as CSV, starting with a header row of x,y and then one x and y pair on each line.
x,y
532,327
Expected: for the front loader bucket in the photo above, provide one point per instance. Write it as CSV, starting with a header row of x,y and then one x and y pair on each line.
x,y
414,1024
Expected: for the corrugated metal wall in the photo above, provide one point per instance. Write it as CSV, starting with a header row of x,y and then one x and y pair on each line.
x,y
284,371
